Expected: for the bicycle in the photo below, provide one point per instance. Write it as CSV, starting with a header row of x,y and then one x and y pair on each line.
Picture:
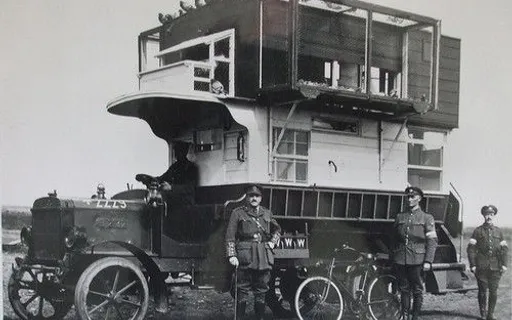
x,y
374,294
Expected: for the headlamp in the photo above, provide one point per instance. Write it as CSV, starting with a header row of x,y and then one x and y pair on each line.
x,y
26,236
73,237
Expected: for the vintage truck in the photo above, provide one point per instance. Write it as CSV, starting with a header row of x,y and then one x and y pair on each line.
x,y
334,107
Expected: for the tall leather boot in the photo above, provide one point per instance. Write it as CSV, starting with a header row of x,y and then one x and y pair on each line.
x,y
405,298
259,310
240,310
416,306
493,296
482,303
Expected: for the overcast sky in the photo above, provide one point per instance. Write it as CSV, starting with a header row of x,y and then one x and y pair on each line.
x,y
62,61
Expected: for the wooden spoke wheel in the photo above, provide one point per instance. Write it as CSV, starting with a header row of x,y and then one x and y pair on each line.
x,y
36,294
112,288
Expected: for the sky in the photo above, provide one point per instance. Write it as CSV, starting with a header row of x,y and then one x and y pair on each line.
x,y
63,60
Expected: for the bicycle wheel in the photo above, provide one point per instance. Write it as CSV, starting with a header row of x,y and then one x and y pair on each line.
x,y
318,298
383,298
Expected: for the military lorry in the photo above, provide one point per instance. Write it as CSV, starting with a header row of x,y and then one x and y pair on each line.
x,y
333,107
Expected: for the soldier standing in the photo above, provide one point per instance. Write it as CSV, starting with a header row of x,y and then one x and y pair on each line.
x,y
251,236
487,253
413,253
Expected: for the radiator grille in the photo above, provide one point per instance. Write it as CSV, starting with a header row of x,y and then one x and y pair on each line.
x,y
47,234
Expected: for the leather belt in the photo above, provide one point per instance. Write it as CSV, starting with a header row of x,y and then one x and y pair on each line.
x,y
255,238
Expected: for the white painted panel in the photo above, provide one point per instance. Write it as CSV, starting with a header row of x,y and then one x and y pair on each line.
x,y
175,79
355,162
258,147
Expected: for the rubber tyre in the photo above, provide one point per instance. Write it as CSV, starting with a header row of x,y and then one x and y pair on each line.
x,y
303,311
383,288
92,274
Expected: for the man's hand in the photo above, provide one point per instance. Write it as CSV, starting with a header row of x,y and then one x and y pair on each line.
x,y
503,269
271,245
233,261
165,186
427,266
473,269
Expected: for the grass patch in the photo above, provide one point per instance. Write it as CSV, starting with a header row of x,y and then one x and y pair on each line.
x,y
15,218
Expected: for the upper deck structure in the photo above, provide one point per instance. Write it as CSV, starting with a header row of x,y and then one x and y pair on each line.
x,y
307,94
334,107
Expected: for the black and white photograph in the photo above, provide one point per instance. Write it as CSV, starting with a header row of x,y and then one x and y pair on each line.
x,y
256,159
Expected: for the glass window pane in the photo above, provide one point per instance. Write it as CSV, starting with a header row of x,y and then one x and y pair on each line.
x,y
422,155
425,179
432,138
285,148
302,136
302,149
301,171
221,48
288,135
415,133
284,170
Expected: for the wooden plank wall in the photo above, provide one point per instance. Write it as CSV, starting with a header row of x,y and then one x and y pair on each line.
x,y
447,115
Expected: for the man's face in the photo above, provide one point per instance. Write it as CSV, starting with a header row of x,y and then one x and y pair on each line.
x,y
181,152
413,200
488,216
253,199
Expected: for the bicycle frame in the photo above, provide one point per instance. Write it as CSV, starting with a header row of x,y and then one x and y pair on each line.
x,y
372,292
347,294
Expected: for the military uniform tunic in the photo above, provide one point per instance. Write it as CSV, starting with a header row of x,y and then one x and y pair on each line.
x,y
487,248
247,237
415,238
248,232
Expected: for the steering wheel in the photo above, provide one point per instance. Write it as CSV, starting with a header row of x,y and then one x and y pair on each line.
x,y
146,179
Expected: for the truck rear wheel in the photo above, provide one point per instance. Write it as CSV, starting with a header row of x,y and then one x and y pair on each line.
x,y
112,288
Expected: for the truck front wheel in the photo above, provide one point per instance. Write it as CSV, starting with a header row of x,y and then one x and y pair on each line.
x,y
112,288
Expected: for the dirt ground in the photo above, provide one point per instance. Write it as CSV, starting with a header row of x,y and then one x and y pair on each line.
x,y
186,303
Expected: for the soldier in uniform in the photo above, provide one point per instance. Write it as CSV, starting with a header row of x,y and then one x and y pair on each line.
x,y
251,236
415,242
487,253
180,180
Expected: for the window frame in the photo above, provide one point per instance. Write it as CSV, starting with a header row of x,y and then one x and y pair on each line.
x,y
293,158
440,168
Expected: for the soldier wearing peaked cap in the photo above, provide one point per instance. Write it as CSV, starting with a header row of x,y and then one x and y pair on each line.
x,y
415,242
251,236
488,256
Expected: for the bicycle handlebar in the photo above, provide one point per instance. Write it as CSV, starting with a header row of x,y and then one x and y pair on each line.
x,y
346,247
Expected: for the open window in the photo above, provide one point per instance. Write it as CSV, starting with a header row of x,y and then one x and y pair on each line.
x,y
214,54
351,49
208,140
425,158
290,160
